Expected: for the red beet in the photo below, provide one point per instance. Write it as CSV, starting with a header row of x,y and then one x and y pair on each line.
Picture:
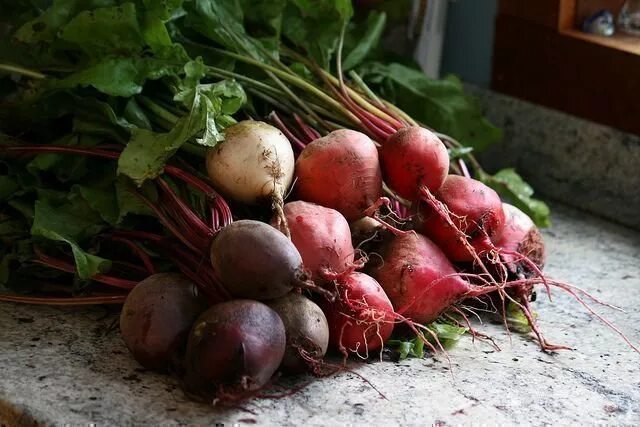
x,y
414,276
520,237
474,209
340,171
362,318
254,260
411,158
322,237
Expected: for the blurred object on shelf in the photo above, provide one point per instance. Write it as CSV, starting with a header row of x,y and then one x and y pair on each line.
x,y
601,23
629,18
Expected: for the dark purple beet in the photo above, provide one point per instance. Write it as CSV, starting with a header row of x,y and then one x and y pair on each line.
x,y
234,347
157,317
254,260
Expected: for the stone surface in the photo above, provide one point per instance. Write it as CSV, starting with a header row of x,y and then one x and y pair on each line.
x,y
587,165
62,366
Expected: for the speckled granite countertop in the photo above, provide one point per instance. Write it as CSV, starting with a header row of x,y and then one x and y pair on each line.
x,y
61,366
565,158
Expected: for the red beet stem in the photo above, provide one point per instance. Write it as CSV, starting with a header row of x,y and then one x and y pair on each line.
x,y
140,235
184,176
196,267
310,132
97,152
138,251
167,222
67,267
372,118
188,213
298,144
199,184
370,127
115,299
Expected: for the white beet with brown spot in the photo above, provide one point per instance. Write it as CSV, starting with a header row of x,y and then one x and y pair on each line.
x,y
255,162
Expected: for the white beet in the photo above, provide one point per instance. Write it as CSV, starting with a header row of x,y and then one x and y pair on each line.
x,y
254,163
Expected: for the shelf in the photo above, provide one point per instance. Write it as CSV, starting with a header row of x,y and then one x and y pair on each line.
x,y
620,41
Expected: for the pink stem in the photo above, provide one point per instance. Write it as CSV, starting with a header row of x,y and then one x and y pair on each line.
x,y
196,182
141,235
297,143
61,149
194,220
167,222
215,221
463,168
310,132
131,266
372,118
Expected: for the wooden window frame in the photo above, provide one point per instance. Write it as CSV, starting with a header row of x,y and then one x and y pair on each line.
x,y
540,55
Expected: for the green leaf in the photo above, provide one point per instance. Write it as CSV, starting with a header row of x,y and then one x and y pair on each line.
x,y
147,152
65,167
118,76
194,71
129,203
417,348
374,27
403,348
88,111
440,104
108,30
153,26
71,223
134,114
516,191
45,27
223,22
8,187
101,200
447,334
163,9
263,22
315,26
517,320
